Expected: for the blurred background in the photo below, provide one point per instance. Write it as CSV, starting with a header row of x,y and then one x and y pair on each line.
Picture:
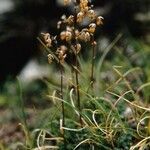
x,y
21,22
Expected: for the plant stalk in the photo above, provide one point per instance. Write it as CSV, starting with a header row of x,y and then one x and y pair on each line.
x,y
61,96
77,87
92,66
76,68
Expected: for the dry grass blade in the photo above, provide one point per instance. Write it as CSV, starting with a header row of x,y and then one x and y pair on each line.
x,y
131,103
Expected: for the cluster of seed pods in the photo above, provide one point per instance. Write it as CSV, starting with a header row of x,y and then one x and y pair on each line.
x,y
71,32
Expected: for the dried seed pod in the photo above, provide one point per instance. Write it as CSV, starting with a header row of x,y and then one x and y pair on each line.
x,y
49,43
87,36
91,14
83,5
80,17
63,48
63,35
69,29
84,35
99,20
68,35
78,47
92,27
61,51
47,39
81,35
84,30
70,20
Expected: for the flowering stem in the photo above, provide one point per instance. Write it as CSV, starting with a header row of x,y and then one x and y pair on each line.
x,y
61,96
92,67
77,87
76,66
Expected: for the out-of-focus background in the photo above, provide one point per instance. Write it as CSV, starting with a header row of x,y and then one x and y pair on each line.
x,y
21,54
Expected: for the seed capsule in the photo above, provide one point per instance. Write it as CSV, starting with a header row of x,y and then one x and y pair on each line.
x,y
91,14
63,35
87,36
61,51
47,39
84,35
92,27
68,35
99,20
80,17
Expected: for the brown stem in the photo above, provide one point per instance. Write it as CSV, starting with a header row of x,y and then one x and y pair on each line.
x,y
77,87
76,67
92,67
61,96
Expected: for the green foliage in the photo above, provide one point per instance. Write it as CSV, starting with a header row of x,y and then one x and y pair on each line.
x,y
106,125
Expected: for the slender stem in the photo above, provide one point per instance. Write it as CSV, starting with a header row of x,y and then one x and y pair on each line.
x,y
61,96
76,68
92,67
77,87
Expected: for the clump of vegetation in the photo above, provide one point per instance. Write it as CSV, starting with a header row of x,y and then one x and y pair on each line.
x,y
95,104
